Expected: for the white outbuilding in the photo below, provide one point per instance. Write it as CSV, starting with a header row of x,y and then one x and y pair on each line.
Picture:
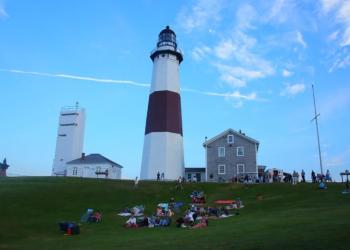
x,y
93,166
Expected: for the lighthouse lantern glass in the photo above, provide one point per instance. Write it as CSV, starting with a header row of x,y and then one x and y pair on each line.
x,y
167,39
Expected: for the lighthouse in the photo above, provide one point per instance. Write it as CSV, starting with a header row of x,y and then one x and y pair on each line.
x,y
163,144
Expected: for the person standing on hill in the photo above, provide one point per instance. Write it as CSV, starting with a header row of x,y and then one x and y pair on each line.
x,y
136,182
162,176
295,177
179,182
158,176
328,176
302,175
313,176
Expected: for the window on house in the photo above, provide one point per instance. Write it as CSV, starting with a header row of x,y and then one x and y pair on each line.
x,y
98,169
221,151
240,151
221,169
189,176
75,171
230,139
240,168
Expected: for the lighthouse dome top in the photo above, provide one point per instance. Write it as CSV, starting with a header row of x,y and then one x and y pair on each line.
x,y
167,37
166,45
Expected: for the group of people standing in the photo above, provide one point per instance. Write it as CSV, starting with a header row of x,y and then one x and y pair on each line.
x,y
160,176
314,178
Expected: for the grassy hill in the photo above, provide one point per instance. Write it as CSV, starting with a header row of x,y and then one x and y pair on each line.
x,y
288,217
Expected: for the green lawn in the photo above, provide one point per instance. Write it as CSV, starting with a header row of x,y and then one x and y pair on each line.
x,y
288,217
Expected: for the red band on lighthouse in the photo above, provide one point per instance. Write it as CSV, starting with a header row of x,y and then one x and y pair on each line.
x,y
164,112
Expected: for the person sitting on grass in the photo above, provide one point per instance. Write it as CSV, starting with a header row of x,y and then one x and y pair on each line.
x,y
96,217
189,220
164,221
322,185
144,222
131,222
180,222
202,223
213,211
159,211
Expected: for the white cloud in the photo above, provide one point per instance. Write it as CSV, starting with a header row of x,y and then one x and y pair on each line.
x,y
342,60
239,50
225,49
276,13
329,5
198,53
293,89
232,80
279,11
200,15
333,36
3,13
245,15
237,76
341,11
237,56
300,39
287,73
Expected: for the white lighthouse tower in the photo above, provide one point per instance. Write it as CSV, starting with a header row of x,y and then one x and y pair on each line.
x,y
163,144
70,138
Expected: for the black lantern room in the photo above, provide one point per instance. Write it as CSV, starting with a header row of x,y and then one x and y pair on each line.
x,y
167,37
167,45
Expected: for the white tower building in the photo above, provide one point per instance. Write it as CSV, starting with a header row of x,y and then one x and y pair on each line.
x,y
70,138
163,143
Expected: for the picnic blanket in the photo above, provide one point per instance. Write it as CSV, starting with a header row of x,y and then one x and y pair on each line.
x,y
225,202
136,210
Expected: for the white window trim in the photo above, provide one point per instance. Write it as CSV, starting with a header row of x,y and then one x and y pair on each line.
x,y
220,165
230,136
240,164
219,152
238,151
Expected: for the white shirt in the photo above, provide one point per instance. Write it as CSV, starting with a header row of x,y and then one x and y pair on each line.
x,y
131,220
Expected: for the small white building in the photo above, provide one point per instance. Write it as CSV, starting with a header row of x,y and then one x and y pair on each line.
x,y
94,166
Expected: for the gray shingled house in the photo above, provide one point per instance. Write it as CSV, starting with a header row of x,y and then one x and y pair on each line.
x,y
231,155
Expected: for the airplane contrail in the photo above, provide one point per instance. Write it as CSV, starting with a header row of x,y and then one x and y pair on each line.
x,y
231,95
83,78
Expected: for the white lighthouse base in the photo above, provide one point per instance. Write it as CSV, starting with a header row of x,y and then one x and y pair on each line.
x,y
163,153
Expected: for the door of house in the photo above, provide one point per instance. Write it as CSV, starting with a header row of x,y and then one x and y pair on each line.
x,y
198,177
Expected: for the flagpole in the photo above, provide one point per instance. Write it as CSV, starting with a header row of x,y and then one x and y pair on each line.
x,y
318,134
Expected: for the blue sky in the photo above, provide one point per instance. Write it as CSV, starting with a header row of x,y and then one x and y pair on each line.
x,y
247,65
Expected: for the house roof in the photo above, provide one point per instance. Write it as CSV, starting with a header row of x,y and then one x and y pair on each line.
x,y
93,159
230,131
194,169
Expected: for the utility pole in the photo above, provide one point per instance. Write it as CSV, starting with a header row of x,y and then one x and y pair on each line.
x,y
318,134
